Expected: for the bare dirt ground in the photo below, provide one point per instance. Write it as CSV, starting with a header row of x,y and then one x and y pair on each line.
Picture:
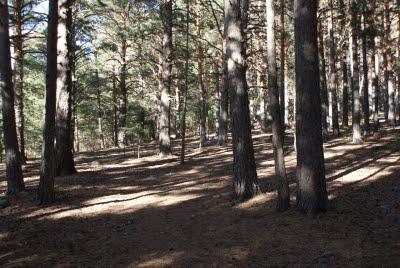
x,y
150,212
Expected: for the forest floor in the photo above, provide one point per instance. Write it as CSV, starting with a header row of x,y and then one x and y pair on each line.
x,y
151,212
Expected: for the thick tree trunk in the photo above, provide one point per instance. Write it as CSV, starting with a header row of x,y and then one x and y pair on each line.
x,y
323,83
277,133
357,138
200,83
64,157
365,85
19,76
48,165
164,119
245,183
332,84
15,182
311,194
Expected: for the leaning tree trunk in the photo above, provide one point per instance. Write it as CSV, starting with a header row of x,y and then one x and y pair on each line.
x,y
365,71
48,168
357,138
164,139
323,82
332,84
311,194
19,75
15,182
64,157
245,183
277,133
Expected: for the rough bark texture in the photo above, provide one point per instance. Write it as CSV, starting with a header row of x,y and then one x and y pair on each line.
x,y
164,136
332,84
277,133
357,138
48,168
245,184
344,68
64,157
224,96
283,89
311,194
19,76
323,83
15,182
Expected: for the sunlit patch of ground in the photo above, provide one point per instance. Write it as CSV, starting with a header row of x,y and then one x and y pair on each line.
x,y
121,210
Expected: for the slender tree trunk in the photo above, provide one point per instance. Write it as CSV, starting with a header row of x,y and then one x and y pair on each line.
x,y
164,119
389,66
323,83
200,83
365,86
374,69
48,165
277,133
115,108
262,84
357,138
311,194
282,88
223,115
19,76
398,59
344,68
332,84
99,111
64,157
123,97
245,183
15,182
186,89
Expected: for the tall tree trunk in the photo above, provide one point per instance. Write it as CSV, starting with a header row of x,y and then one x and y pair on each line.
x,y
99,111
245,183
398,59
19,76
200,83
277,133
186,89
123,96
365,86
115,107
311,194
357,138
323,83
48,167
374,68
164,119
344,68
282,88
224,95
64,157
332,84
389,66
15,182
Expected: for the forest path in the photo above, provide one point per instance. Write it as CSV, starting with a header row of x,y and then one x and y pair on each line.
x,y
151,212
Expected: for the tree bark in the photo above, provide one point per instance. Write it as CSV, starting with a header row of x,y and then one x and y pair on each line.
x,y
19,76
374,69
15,182
365,86
282,89
224,95
167,50
99,111
277,133
323,82
357,138
311,195
245,184
332,84
48,165
115,108
344,69
64,157
123,97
